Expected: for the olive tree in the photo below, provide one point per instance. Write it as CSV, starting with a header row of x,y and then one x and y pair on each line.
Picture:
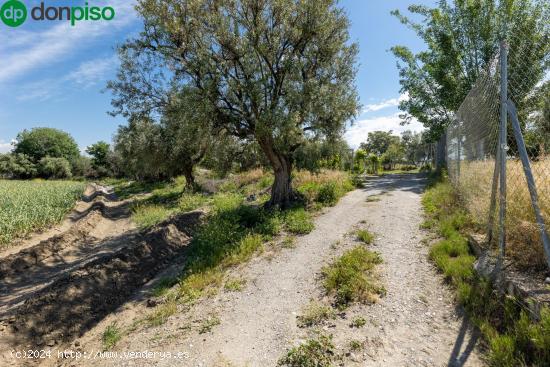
x,y
170,126
277,71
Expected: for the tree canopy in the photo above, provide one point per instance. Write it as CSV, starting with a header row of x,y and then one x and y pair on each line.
x,y
44,142
462,38
277,71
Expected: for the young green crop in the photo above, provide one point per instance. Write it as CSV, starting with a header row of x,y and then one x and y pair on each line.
x,y
27,206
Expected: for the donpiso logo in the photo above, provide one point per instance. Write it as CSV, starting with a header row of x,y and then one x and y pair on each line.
x,y
14,13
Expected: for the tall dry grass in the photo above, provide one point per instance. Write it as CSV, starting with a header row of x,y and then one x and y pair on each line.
x,y
523,237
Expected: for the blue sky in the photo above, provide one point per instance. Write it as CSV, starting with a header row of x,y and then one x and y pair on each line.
x,y
52,74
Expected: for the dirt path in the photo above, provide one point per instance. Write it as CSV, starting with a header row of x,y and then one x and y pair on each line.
x,y
416,324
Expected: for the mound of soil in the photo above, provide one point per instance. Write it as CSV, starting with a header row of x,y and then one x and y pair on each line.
x,y
76,301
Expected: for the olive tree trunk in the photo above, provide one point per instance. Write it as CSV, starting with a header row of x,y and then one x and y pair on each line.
x,y
282,193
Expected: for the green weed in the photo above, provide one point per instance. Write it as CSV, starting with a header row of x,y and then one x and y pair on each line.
x,y
313,353
358,322
351,278
315,313
111,336
365,236
298,221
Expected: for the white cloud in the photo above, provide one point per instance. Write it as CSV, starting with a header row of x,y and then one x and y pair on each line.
x,y
5,147
37,48
359,131
86,75
89,73
393,102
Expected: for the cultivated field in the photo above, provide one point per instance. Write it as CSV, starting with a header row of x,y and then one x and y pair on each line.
x,y
27,206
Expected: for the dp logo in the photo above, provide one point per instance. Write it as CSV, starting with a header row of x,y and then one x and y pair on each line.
x,y
13,13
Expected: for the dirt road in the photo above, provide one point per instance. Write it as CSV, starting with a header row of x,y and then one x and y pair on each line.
x,y
415,324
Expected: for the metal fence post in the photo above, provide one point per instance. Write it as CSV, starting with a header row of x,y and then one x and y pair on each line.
x,y
493,202
503,147
530,179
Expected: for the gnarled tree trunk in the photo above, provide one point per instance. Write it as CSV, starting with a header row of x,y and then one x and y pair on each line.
x,y
189,177
282,193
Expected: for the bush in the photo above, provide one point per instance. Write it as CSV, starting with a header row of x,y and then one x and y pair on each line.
x,y
57,168
16,165
328,194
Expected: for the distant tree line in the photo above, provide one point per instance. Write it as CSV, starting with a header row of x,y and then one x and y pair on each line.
x,y
385,150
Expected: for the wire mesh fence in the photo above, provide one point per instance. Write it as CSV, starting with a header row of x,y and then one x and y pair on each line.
x,y
474,149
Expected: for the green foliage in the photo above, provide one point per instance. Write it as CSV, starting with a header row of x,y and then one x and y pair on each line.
x,y
27,206
17,165
100,153
57,168
513,338
208,324
41,142
378,142
313,353
163,286
351,279
356,345
315,314
393,155
365,236
111,336
298,221
162,313
358,322
461,39
286,114
146,216
235,284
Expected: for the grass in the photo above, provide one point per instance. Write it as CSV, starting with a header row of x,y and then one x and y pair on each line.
x,y
511,336
323,188
351,278
318,352
524,243
235,228
298,221
28,206
162,313
235,284
208,324
358,322
111,336
163,286
365,236
164,201
356,345
289,242
315,313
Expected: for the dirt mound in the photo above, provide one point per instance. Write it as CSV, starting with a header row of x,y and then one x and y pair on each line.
x,y
79,299
26,262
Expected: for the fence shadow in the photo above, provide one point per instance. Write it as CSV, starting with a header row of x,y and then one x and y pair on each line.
x,y
465,344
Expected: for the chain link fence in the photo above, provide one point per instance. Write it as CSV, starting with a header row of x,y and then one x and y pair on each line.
x,y
507,113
